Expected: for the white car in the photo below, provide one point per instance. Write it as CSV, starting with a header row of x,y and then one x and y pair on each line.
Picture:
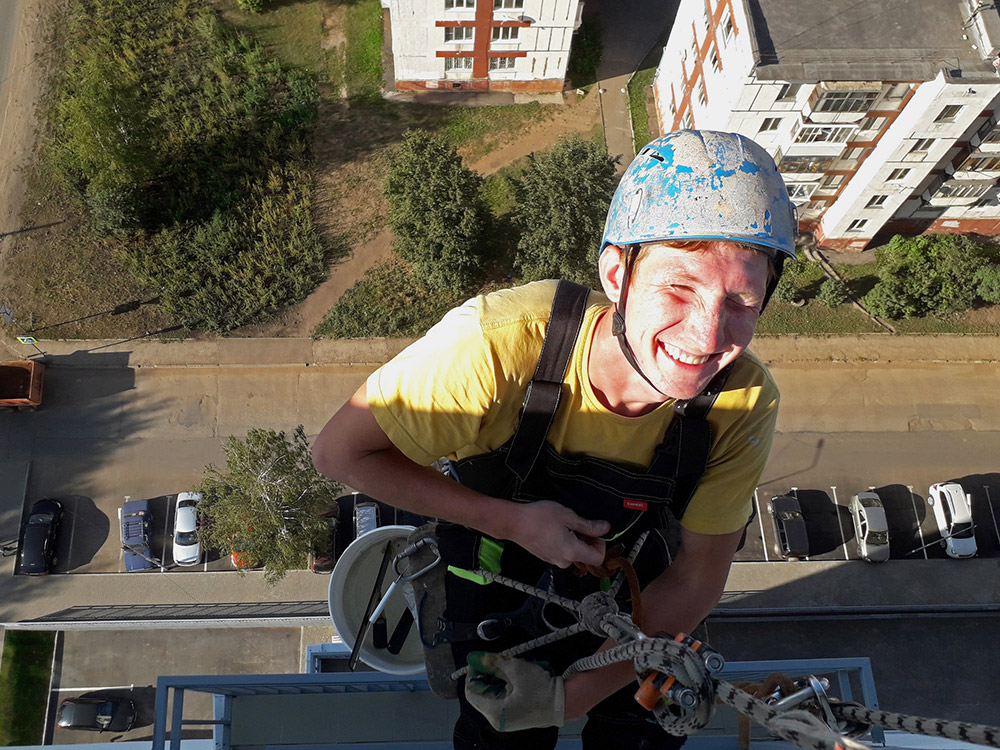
x,y
187,545
952,508
871,528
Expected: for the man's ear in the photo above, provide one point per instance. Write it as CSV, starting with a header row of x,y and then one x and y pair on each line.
x,y
611,271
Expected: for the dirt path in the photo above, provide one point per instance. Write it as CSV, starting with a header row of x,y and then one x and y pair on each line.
x,y
24,77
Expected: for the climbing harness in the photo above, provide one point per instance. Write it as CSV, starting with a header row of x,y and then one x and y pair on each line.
x,y
680,683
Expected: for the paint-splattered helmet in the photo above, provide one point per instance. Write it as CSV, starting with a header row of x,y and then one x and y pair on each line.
x,y
701,184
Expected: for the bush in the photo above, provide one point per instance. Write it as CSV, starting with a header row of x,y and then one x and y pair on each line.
x,y
167,121
562,202
926,275
251,6
787,289
833,292
988,283
389,302
437,213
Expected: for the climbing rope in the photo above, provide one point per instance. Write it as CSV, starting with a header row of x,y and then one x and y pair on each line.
x,y
684,671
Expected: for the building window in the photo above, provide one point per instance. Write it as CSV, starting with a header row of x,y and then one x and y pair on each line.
x,y
505,33
449,4
982,164
824,134
686,121
508,4
694,50
922,146
857,225
874,123
727,28
898,174
502,63
702,94
846,101
788,91
876,201
949,113
800,190
457,63
708,14
770,123
897,91
713,54
964,189
458,33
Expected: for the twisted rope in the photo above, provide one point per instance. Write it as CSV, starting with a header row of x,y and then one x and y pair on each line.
x,y
977,734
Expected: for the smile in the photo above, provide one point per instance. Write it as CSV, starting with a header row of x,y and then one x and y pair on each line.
x,y
680,356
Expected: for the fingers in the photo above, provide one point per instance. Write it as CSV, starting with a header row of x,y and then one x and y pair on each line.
x,y
591,551
585,526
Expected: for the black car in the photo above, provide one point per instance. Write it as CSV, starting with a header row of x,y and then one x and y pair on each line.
x,y
98,714
39,542
789,527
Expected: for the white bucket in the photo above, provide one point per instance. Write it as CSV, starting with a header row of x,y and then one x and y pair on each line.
x,y
350,588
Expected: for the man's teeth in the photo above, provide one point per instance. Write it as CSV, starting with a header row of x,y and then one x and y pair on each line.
x,y
685,358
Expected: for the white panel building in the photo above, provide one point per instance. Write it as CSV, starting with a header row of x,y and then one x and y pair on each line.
x,y
482,45
882,115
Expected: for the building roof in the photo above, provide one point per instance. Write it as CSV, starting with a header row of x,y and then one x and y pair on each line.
x,y
875,40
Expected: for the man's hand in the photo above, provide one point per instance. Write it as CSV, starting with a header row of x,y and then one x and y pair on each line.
x,y
513,694
557,535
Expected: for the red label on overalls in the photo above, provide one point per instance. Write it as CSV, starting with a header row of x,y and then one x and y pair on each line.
x,y
634,504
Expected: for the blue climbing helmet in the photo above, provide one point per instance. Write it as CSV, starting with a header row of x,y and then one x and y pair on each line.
x,y
703,185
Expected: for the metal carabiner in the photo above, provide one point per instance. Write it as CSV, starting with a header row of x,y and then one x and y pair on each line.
x,y
412,549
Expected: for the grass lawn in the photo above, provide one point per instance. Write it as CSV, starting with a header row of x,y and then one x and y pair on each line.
x,y
24,686
638,91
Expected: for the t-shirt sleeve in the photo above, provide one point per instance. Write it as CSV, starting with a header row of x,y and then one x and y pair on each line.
x,y
724,499
431,398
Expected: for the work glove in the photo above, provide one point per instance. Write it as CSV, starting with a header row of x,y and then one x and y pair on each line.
x,y
514,694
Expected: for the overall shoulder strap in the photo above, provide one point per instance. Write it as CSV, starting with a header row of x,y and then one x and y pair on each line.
x,y
541,400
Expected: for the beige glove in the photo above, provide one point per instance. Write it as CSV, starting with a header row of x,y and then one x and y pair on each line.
x,y
514,694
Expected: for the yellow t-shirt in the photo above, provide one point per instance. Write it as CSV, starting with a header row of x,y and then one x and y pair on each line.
x,y
457,391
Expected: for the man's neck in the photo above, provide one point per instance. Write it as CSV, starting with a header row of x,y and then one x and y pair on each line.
x,y
617,386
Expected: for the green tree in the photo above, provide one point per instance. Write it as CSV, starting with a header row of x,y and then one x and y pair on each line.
x,y
988,283
269,497
437,213
926,275
787,288
833,292
562,202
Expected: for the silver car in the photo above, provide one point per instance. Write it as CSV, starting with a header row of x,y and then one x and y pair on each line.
x,y
952,508
187,545
871,528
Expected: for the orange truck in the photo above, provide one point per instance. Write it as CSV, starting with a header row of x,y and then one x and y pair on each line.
x,y
21,385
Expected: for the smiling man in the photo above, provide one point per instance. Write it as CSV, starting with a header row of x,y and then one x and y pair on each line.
x,y
573,421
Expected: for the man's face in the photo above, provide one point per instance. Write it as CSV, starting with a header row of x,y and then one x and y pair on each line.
x,y
690,312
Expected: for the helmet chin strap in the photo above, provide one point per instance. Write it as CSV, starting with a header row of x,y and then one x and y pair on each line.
x,y
618,318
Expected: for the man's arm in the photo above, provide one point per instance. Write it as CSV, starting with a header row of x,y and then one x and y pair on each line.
x,y
675,602
354,449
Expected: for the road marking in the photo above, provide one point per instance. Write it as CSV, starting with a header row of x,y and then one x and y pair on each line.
x,y
88,689
840,524
163,549
52,675
989,504
760,522
916,517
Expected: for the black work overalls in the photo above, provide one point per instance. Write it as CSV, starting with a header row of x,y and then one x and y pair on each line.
x,y
526,468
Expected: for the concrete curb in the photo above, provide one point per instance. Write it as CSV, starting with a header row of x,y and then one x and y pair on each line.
x,y
869,348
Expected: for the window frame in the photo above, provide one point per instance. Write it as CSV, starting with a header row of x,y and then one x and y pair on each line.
x,y
468,34
846,101
459,4
877,201
898,175
921,146
857,225
450,65
770,124
508,63
948,113
508,4
513,34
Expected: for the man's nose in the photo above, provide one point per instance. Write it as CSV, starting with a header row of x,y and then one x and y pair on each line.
x,y
707,326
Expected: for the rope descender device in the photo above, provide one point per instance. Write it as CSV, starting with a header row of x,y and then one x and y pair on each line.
x,y
679,680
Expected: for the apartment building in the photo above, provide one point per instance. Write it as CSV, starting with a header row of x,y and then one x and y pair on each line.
x,y
482,45
882,115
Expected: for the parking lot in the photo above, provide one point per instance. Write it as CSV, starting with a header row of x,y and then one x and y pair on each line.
x,y
913,532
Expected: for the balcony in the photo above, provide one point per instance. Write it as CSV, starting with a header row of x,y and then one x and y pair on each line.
x,y
959,192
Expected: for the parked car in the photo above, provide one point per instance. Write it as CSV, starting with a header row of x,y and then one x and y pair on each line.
x,y
952,508
187,545
135,523
38,545
871,528
789,527
239,556
97,714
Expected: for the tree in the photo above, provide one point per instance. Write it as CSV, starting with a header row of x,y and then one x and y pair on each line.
x,y
931,274
269,497
833,292
437,213
562,202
